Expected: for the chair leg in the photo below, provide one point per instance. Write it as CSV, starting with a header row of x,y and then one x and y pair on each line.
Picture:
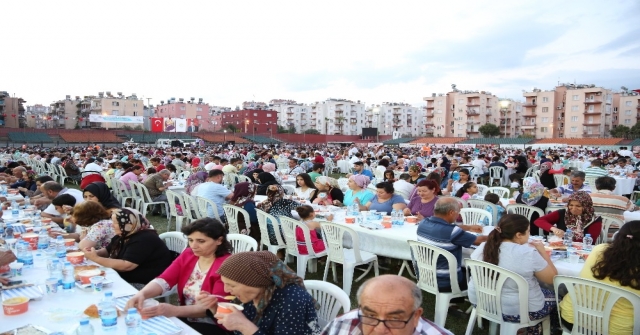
x,y
471,323
347,277
301,263
376,271
335,272
326,271
365,272
493,328
442,309
312,265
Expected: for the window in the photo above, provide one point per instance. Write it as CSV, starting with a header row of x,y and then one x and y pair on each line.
x,y
575,97
574,129
135,113
574,118
135,104
115,112
199,117
545,109
615,109
459,127
439,119
115,103
461,101
627,112
545,99
628,103
439,111
545,119
439,102
182,116
255,114
574,108
543,129
268,114
182,108
591,108
199,109
627,121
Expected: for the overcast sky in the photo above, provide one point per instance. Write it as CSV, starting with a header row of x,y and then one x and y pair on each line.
x,y
228,52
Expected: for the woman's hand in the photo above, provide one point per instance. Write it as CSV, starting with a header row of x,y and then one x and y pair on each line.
x,y
207,301
67,209
419,216
163,309
91,254
557,231
337,203
135,302
406,212
236,321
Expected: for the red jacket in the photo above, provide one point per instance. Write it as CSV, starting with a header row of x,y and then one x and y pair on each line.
x,y
557,218
180,270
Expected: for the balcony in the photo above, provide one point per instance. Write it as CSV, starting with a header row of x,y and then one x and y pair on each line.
x,y
529,104
338,122
396,112
593,112
528,126
430,107
473,122
430,130
473,104
638,107
431,124
592,101
471,112
488,112
471,131
339,111
531,114
591,124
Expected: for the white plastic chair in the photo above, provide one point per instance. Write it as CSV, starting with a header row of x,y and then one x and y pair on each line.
x,y
550,209
343,184
488,280
607,222
175,241
289,189
242,242
503,192
461,202
591,181
561,179
426,258
331,299
242,178
146,201
592,303
483,204
348,257
264,231
482,190
496,173
527,211
175,198
203,206
231,212
182,176
289,227
475,216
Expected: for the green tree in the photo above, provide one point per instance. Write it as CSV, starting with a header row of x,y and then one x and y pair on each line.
x,y
232,128
620,131
282,130
489,130
312,131
292,129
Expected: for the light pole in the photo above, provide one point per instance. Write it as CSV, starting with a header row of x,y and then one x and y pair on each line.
x,y
504,104
376,111
225,136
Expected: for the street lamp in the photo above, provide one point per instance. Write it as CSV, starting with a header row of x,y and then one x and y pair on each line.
x,y
225,136
376,111
504,104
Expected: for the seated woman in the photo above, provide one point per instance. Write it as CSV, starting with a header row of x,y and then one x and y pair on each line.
x,y
533,195
328,191
389,176
277,206
546,178
272,295
416,176
357,192
194,180
253,175
243,194
306,188
578,216
385,201
194,271
99,192
92,225
307,215
265,179
132,173
136,252
454,185
506,246
27,184
611,265
422,206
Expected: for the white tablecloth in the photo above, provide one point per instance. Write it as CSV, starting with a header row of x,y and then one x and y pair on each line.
x,y
565,268
40,310
631,216
623,186
343,165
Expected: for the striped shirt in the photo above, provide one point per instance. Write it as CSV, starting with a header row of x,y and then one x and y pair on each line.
x,y
437,232
568,189
349,324
595,172
605,202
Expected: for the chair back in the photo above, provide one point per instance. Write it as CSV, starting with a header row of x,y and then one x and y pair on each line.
x,y
334,235
462,202
524,210
203,206
182,176
190,209
242,178
342,183
264,219
607,222
331,299
483,204
503,192
488,280
242,243
289,227
232,212
561,179
530,171
475,216
426,258
174,198
143,192
590,180
175,241
593,302
482,190
497,172
550,209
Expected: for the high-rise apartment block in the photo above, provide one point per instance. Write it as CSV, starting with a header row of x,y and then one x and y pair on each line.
x,y
460,113
626,108
37,116
11,111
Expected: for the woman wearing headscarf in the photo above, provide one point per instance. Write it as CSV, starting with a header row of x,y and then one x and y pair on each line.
x,y
328,191
546,178
194,180
271,168
136,252
579,216
243,194
254,175
533,195
265,179
277,206
357,190
99,192
273,297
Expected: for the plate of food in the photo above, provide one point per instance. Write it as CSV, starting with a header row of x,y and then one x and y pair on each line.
x,y
28,330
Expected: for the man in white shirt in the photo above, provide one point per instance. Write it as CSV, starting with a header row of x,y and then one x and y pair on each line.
x,y
479,165
213,190
51,189
402,186
623,167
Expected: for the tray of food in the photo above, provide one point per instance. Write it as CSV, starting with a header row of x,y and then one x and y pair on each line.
x,y
28,330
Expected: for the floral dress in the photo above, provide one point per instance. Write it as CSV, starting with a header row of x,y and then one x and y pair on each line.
x,y
282,207
192,289
101,232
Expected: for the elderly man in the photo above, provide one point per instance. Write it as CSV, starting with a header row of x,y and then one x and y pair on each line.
x,y
577,184
51,190
157,184
387,304
17,179
440,230
605,202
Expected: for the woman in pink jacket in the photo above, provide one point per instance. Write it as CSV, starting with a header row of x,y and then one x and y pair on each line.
x,y
194,271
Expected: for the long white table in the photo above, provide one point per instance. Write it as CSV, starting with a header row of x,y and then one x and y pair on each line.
x,y
43,312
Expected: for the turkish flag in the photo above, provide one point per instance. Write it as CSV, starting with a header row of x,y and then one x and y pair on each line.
x,y
157,124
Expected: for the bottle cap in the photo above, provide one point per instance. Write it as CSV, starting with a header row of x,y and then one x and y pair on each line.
x,y
132,311
84,321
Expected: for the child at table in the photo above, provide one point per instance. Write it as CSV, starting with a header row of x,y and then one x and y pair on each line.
x,y
468,191
307,215
494,199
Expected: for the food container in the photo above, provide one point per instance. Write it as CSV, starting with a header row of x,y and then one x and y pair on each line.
x,y
32,239
85,276
350,219
411,219
45,221
147,304
75,257
386,224
15,306
69,242
548,250
577,245
224,307
584,254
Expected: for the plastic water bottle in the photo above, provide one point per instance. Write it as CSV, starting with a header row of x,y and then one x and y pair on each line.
x,y
61,250
43,240
55,270
568,238
85,327
354,209
27,202
15,210
3,191
133,321
587,242
397,218
108,312
68,280
21,250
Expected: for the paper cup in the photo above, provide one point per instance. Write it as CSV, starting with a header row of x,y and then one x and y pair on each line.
x,y
486,230
386,224
350,219
75,257
224,307
16,269
96,283
52,285
146,304
15,306
69,242
32,239
411,219
11,243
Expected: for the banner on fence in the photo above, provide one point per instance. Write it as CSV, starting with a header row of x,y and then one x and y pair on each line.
x,y
115,118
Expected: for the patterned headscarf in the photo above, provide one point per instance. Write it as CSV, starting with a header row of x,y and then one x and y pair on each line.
x,y
194,180
243,193
574,222
323,180
260,269
130,222
361,180
269,167
545,166
272,198
532,191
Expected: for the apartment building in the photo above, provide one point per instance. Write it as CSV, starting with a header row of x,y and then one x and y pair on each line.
x,y
291,115
460,113
251,121
69,113
626,108
37,116
254,105
509,116
397,119
570,111
12,112
198,113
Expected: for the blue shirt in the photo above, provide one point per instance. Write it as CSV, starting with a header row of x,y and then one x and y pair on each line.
x,y
437,232
386,206
365,173
487,222
568,189
363,195
215,192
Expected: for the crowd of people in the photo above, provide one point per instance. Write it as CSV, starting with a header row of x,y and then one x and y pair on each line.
x,y
414,181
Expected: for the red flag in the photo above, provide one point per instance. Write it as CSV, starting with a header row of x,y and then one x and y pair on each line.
x,y
157,124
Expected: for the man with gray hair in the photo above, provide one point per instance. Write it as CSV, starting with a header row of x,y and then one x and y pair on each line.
x,y
157,184
386,304
576,184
